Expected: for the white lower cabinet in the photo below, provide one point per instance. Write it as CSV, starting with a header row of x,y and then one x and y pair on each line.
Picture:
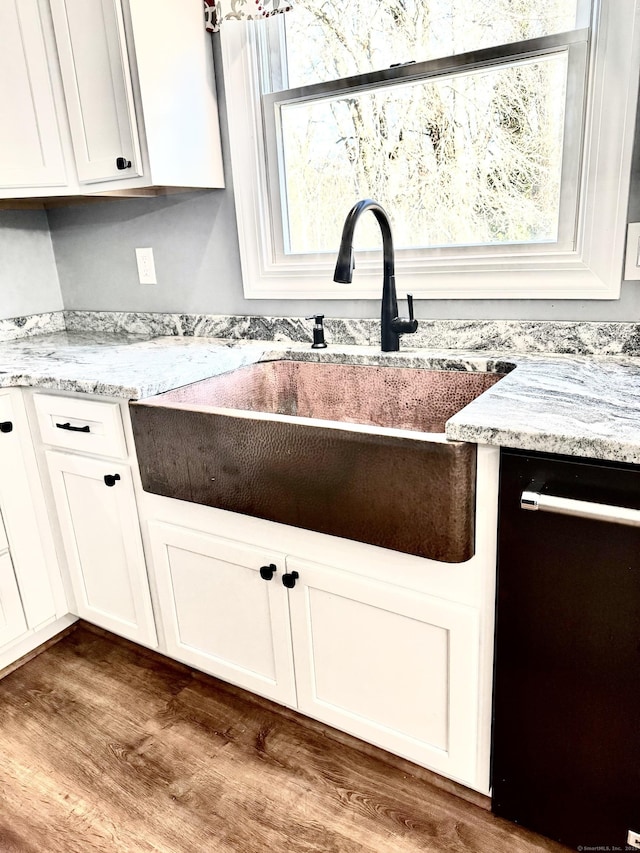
x,y
25,517
220,613
96,508
12,621
392,666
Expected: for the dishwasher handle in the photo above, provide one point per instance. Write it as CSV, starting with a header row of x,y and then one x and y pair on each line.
x,y
533,500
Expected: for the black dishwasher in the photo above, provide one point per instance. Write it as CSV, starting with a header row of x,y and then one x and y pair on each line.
x,y
566,723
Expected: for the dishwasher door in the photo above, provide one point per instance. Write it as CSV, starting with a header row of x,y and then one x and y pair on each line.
x,y
566,728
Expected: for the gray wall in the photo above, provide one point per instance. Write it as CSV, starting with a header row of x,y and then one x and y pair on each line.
x,y
195,244
28,277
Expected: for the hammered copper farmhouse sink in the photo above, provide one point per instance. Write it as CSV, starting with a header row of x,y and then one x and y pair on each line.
x,y
351,450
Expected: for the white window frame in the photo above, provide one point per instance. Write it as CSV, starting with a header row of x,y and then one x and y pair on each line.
x,y
589,269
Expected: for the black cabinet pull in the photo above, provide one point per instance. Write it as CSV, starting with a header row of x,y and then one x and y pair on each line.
x,y
289,580
110,479
267,572
122,163
68,426
6,426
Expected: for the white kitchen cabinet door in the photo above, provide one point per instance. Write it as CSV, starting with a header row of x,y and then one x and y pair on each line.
x,y
97,86
219,614
30,148
25,516
12,621
103,545
394,667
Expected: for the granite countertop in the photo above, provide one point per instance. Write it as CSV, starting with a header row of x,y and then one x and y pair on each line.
x,y
129,366
135,366
576,405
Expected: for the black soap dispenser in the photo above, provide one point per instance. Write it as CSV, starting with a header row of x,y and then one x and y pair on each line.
x,y
318,332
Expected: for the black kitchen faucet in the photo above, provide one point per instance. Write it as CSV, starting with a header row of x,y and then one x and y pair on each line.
x,y
392,326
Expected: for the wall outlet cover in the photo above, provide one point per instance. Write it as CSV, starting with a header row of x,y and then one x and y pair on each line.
x,y
632,256
146,266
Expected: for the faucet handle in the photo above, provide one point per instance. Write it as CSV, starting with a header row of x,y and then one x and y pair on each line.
x,y
405,327
410,305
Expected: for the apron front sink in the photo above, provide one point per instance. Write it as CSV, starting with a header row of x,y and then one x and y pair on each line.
x,y
349,450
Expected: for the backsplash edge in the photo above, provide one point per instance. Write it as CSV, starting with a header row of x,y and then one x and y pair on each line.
x,y
521,336
28,325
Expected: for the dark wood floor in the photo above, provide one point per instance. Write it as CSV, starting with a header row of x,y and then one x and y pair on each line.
x,y
108,748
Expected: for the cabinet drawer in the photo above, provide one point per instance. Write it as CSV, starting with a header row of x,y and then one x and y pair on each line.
x,y
85,425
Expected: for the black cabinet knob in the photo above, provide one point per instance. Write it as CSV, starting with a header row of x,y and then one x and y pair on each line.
x,y
267,572
289,580
110,479
122,163
6,426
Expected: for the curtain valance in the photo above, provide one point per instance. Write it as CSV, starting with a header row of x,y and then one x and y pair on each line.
x,y
217,11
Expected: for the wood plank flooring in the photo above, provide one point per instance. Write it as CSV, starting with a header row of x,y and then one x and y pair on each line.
x,y
105,747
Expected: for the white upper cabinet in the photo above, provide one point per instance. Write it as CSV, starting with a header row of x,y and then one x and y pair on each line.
x,y
103,97
97,84
175,86
30,147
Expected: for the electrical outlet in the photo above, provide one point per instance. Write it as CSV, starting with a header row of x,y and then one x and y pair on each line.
x,y
146,266
633,839
632,256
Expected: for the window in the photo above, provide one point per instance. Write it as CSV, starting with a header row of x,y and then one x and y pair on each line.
x,y
496,134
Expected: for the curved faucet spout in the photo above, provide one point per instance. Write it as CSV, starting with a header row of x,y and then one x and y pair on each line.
x,y
392,326
345,263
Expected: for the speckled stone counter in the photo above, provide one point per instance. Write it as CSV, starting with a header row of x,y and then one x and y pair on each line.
x,y
585,406
134,367
117,365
